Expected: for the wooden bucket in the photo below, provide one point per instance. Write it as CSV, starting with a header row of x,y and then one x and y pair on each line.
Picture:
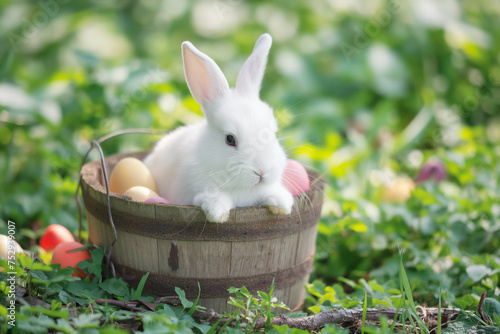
x,y
179,248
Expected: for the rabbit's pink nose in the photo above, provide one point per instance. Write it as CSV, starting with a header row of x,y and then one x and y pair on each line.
x,y
259,173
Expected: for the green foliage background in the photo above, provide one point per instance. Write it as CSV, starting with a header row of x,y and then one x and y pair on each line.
x,y
365,92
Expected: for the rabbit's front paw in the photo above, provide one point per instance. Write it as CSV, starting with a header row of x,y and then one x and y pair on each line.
x,y
218,215
280,202
216,208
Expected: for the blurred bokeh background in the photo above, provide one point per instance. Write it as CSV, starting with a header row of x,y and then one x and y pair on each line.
x,y
365,91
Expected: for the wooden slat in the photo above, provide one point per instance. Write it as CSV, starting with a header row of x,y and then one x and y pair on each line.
x,y
137,251
306,243
297,292
219,304
263,256
203,259
99,234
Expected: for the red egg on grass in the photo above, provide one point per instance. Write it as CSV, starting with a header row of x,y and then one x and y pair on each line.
x,y
64,255
295,178
54,235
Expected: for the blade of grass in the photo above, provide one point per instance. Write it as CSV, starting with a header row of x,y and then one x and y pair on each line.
x,y
410,316
405,282
269,303
193,308
5,61
214,326
473,315
400,307
226,324
140,286
411,307
439,308
363,320
383,325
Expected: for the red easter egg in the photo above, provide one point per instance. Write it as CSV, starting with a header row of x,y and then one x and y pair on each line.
x,y
64,256
54,235
295,178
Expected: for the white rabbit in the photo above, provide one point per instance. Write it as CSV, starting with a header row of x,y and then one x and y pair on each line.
x,y
233,157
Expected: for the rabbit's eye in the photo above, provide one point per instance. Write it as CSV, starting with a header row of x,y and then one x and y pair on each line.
x,y
231,140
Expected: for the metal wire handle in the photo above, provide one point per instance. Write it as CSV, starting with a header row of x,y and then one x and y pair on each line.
x,y
97,144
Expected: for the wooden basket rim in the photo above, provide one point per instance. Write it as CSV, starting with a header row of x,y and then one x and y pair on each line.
x,y
306,210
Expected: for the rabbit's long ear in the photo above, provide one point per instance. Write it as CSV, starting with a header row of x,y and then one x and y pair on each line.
x,y
251,74
204,78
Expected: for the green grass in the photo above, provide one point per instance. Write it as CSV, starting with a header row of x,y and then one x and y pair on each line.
x,y
50,284
140,287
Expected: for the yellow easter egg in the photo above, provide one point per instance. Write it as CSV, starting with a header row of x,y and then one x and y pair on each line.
x,y
399,190
128,173
140,194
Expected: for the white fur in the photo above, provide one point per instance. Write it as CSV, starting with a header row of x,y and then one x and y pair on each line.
x,y
194,165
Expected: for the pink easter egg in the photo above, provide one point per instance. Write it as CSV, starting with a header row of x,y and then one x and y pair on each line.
x,y
156,199
295,178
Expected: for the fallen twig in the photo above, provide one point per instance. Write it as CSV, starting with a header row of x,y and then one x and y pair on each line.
x,y
310,323
170,300
131,306
337,316
480,308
